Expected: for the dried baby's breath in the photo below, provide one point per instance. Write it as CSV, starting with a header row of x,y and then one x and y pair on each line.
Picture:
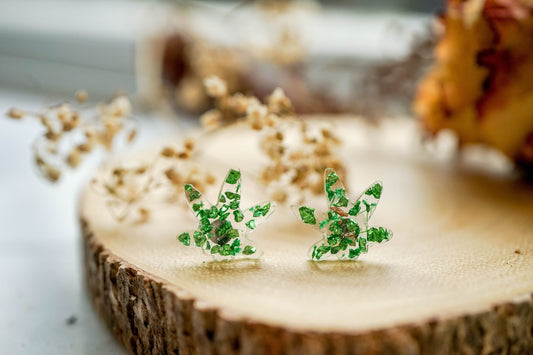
x,y
298,161
279,104
256,114
211,119
71,133
131,188
238,107
215,87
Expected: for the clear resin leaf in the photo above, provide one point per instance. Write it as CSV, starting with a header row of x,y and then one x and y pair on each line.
x,y
223,227
344,224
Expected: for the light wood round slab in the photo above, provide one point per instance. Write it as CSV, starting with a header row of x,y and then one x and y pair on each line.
x,y
456,278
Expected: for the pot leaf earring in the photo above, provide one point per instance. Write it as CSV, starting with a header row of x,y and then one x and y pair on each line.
x,y
223,227
344,225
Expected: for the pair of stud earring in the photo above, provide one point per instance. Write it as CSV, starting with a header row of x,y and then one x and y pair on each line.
x,y
224,227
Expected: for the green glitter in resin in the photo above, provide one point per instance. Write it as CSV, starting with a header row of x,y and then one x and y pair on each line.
x,y
260,210
251,224
238,216
331,179
233,176
249,250
194,196
199,238
354,211
307,214
375,190
184,238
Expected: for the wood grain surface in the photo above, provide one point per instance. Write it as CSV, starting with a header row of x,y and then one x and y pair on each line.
x,y
456,278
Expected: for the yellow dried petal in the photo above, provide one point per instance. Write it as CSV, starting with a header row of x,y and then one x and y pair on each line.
x,y
189,144
184,155
168,152
144,215
132,135
81,96
73,159
84,147
211,119
16,113
51,173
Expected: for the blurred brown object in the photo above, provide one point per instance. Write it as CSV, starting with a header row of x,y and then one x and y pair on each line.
x,y
382,87
481,85
256,47
186,61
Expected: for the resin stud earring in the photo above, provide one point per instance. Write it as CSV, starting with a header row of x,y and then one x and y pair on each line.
x,y
223,227
344,225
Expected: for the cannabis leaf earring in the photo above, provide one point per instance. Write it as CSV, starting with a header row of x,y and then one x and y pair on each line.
x,y
223,228
344,225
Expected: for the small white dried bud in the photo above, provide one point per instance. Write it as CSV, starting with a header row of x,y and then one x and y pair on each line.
x,y
120,107
211,119
16,113
189,144
81,96
215,87
74,158
256,111
279,103
256,115
278,95
144,215
64,112
239,103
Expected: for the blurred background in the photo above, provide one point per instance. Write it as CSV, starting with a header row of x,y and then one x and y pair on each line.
x,y
50,49
61,46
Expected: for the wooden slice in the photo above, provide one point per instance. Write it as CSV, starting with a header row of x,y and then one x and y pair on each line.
x,y
456,278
